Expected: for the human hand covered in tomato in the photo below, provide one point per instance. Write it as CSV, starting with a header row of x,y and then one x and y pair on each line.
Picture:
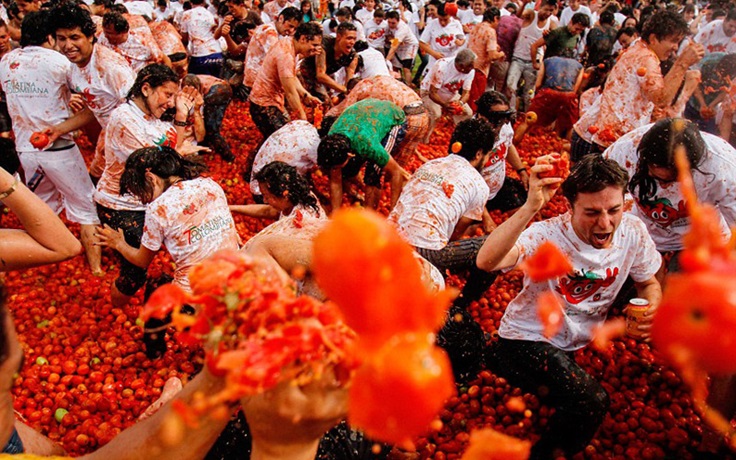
x,y
560,165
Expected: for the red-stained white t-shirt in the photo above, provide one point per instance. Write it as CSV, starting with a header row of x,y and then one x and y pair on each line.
x,y
665,214
444,76
408,42
295,144
167,37
263,39
128,130
442,39
375,33
494,171
103,82
439,193
587,294
199,24
34,80
714,40
140,49
192,219
302,223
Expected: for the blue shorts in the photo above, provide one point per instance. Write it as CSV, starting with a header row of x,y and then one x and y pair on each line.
x,y
14,445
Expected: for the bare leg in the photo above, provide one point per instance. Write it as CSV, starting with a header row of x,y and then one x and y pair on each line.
x,y
372,196
93,252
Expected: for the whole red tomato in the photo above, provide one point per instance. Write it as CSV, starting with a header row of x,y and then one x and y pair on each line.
x,y
39,140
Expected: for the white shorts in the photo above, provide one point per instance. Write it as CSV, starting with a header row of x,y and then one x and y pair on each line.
x,y
61,180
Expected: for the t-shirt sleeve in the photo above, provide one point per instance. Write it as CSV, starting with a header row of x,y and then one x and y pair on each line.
x,y
468,82
426,34
153,230
530,240
647,260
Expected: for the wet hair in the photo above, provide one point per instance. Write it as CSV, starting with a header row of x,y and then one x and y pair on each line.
x,y
68,16
487,100
153,74
333,150
657,148
490,14
664,24
285,181
581,19
473,135
34,30
116,20
164,162
607,18
346,27
592,174
291,14
118,8
393,15
309,30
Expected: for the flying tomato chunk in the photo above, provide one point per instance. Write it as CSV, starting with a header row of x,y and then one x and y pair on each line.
x,y
549,311
488,444
560,166
546,263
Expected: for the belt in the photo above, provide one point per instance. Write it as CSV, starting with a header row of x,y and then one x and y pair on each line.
x,y
416,108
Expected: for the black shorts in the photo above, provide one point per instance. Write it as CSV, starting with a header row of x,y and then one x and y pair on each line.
x,y
132,277
267,119
406,63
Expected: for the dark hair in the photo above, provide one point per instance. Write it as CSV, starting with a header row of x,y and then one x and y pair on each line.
x,y
473,135
333,150
393,15
607,17
441,9
488,100
731,16
548,2
630,31
490,14
34,30
291,14
161,161
581,19
463,3
657,148
104,3
726,67
176,57
153,74
117,8
360,46
285,181
116,20
193,81
68,16
344,12
664,24
591,174
717,13
689,8
379,13
346,27
309,30
513,6
197,2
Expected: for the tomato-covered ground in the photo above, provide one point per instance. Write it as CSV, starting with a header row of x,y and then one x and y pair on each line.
x,y
86,377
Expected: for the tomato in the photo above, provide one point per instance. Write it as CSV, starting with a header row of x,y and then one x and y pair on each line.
x,y
411,378
39,140
641,71
549,311
488,444
560,164
456,147
697,317
386,296
592,129
163,301
546,263
531,117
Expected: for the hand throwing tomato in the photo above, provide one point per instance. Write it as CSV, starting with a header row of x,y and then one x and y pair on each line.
x,y
39,140
560,166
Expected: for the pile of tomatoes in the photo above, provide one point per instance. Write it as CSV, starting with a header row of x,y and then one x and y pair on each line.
x,y
86,377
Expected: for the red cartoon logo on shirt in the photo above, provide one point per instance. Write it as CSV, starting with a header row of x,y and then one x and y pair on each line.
x,y
498,154
662,211
444,40
453,86
89,99
14,65
377,34
579,287
168,139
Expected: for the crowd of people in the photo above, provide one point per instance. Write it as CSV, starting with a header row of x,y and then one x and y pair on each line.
x,y
625,85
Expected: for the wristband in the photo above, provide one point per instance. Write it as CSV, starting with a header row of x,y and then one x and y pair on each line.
x,y
520,170
9,191
182,124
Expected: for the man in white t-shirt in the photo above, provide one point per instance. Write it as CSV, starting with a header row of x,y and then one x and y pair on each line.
x,y
573,7
34,79
441,88
605,246
442,198
404,45
375,30
100,76
474,17
442,37
718,36
198,29
365,14
295,144
371,62
138,47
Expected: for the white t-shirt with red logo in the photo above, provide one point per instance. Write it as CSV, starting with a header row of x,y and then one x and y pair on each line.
x,y
439,193
199,24
494,171
128,130
103,82
587,294
442,39
375,34
714,40
295,144
192,220
665,214
444,76
408,42
34,81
